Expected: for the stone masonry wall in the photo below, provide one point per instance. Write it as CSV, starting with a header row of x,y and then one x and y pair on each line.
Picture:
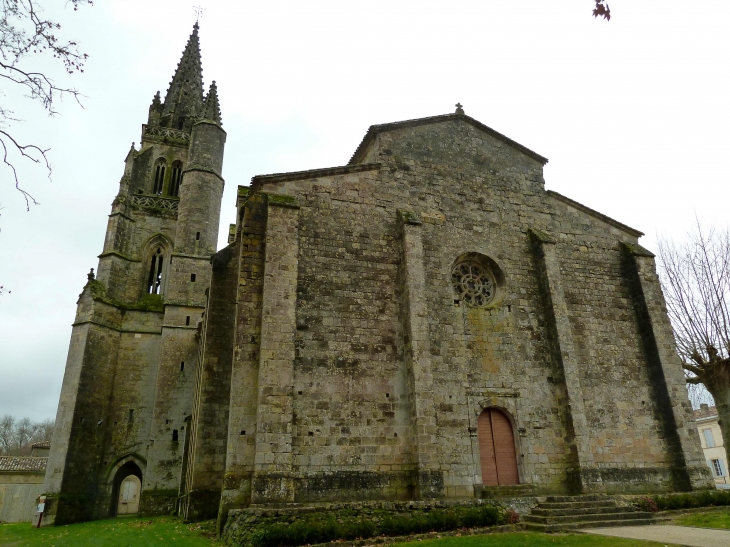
x,y
352,407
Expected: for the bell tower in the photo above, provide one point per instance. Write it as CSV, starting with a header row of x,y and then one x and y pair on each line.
x,y
128,386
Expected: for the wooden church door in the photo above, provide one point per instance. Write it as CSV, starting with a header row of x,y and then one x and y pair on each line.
x,y
497,448
129,492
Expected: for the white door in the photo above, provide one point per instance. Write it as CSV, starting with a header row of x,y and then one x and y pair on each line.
x,y
129,492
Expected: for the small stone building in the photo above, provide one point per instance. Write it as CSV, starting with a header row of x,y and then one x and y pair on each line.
x,y
21,482
426,321
40,449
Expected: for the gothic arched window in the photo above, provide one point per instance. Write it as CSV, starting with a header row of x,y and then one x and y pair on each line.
x,y
154,282
176,179
160,167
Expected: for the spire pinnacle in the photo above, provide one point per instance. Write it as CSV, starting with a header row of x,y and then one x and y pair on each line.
x,y
212,108
184,98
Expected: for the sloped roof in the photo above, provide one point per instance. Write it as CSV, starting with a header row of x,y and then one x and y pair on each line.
x,y
592,212
42,444
312,173
706,412
374,130
26,464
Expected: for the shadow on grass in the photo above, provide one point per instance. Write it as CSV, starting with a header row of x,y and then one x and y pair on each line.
x,y
119,532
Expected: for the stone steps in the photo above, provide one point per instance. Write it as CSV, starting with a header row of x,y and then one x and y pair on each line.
x,y
582,498
562,513
577,504
542,512
535,527
587,517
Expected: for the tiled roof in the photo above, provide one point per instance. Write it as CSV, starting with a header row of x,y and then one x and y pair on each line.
x,y
706,412
42,444
23,463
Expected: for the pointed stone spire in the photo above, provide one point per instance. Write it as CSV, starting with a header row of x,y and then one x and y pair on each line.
x,y
212,108
184,98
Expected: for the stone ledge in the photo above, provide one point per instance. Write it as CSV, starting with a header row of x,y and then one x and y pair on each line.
x,y
314,173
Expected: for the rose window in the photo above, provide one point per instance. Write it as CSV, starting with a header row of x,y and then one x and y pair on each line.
x,y
473,283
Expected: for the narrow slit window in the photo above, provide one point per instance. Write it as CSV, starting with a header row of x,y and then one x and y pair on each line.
x,y
160,168
197,236
174,435
192,278
131,416
187,320
154,282
176,179
182,366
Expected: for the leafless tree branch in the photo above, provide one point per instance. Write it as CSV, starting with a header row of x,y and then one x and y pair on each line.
x,y
26,34
695,277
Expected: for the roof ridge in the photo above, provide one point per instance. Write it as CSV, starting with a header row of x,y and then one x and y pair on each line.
x,y
373,130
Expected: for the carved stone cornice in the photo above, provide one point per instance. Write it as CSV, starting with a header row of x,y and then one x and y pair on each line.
x,y
164,206
165,135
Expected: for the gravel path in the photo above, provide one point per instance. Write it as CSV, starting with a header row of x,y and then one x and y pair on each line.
x,y
671,535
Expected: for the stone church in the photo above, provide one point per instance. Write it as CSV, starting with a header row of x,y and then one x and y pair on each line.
x,y
424,322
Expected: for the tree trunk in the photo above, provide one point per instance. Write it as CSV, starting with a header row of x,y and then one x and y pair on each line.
x,y
719,388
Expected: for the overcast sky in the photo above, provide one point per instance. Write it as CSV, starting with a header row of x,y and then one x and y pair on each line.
x,y
633,115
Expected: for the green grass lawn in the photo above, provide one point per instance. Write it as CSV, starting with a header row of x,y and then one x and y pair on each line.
x,y
715,519
121,532
168,531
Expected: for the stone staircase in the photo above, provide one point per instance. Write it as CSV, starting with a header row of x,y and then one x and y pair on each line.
x,y
558,513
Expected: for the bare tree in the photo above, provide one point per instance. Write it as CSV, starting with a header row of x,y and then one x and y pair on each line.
x,y
696,280
25,35
44,431
24,430
7,429
17,436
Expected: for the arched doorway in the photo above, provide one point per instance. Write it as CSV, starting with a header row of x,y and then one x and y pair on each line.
x,y
129,491
126,490
497,448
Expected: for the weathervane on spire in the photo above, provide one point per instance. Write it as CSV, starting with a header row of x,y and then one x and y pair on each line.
x,y
198,12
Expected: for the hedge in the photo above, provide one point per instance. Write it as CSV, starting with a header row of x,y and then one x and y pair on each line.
x,y
305,532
